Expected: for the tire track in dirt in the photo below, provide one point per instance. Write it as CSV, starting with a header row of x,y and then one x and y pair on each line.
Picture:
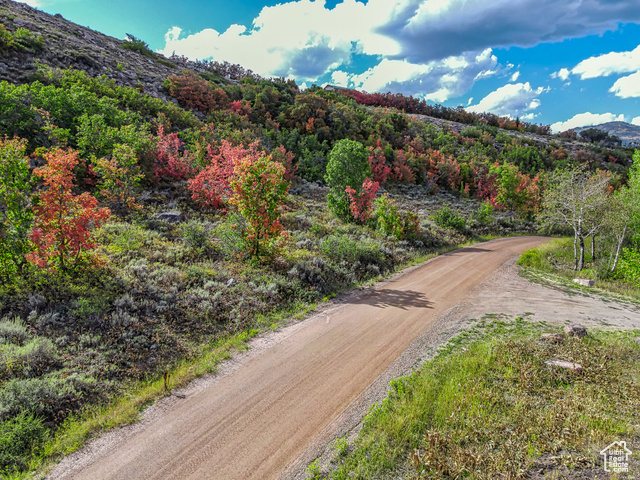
x,y
256,420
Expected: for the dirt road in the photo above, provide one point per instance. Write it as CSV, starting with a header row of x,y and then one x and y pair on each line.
x,y
254,421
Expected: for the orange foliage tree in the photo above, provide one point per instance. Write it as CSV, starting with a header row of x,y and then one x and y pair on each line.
x,y
62,223
259,190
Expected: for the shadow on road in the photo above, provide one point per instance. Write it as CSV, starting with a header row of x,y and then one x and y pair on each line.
x,y
393,298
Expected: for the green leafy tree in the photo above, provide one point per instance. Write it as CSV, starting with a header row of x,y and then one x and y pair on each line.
x,y
120,177
15,206
259,190
348,167
515,191
624,211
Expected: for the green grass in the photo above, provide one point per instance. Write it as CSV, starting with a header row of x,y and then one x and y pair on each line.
x,y
553,262
488,407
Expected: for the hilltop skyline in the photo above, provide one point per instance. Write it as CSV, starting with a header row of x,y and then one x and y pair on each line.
x,y
567,64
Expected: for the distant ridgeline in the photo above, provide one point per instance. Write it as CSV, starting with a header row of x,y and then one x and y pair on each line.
x,y
612,132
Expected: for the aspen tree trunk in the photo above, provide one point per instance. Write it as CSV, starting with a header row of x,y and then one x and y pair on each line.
x,y
581,260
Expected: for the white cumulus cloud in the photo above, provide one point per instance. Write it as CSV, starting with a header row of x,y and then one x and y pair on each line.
x,y
512,99
301,39
628,86
437,80
586,119
562,74
636,121
608,64
340,78
436,49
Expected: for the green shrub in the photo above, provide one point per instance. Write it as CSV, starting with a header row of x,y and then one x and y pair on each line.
x,y
502,137
135,44
45,397
471,132
15,206
22,39
484,214
128,240
231,236
13,331
356,253
339,248
447,218
629,267
386,215
20,439
312,165
195,234
348,167
322,276
531,258
390,221
29,360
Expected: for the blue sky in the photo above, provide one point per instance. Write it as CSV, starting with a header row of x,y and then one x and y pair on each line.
x,y
567,63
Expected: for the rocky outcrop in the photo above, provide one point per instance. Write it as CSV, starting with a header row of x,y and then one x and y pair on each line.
x,y
553,337
69,45
575,330
576,367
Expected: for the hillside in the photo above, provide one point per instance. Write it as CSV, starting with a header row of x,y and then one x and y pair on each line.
x,y
65,44
157,213
627,132
68,45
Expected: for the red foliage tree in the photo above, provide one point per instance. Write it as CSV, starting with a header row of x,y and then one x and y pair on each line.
x,y
211,187
486,186
449,173
196,92
241,107
559,154
281,155
172,160
377,160
361,202
514,190
62,223
400,171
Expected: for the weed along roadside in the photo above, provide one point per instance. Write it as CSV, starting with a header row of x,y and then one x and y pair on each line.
x,y
508,399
